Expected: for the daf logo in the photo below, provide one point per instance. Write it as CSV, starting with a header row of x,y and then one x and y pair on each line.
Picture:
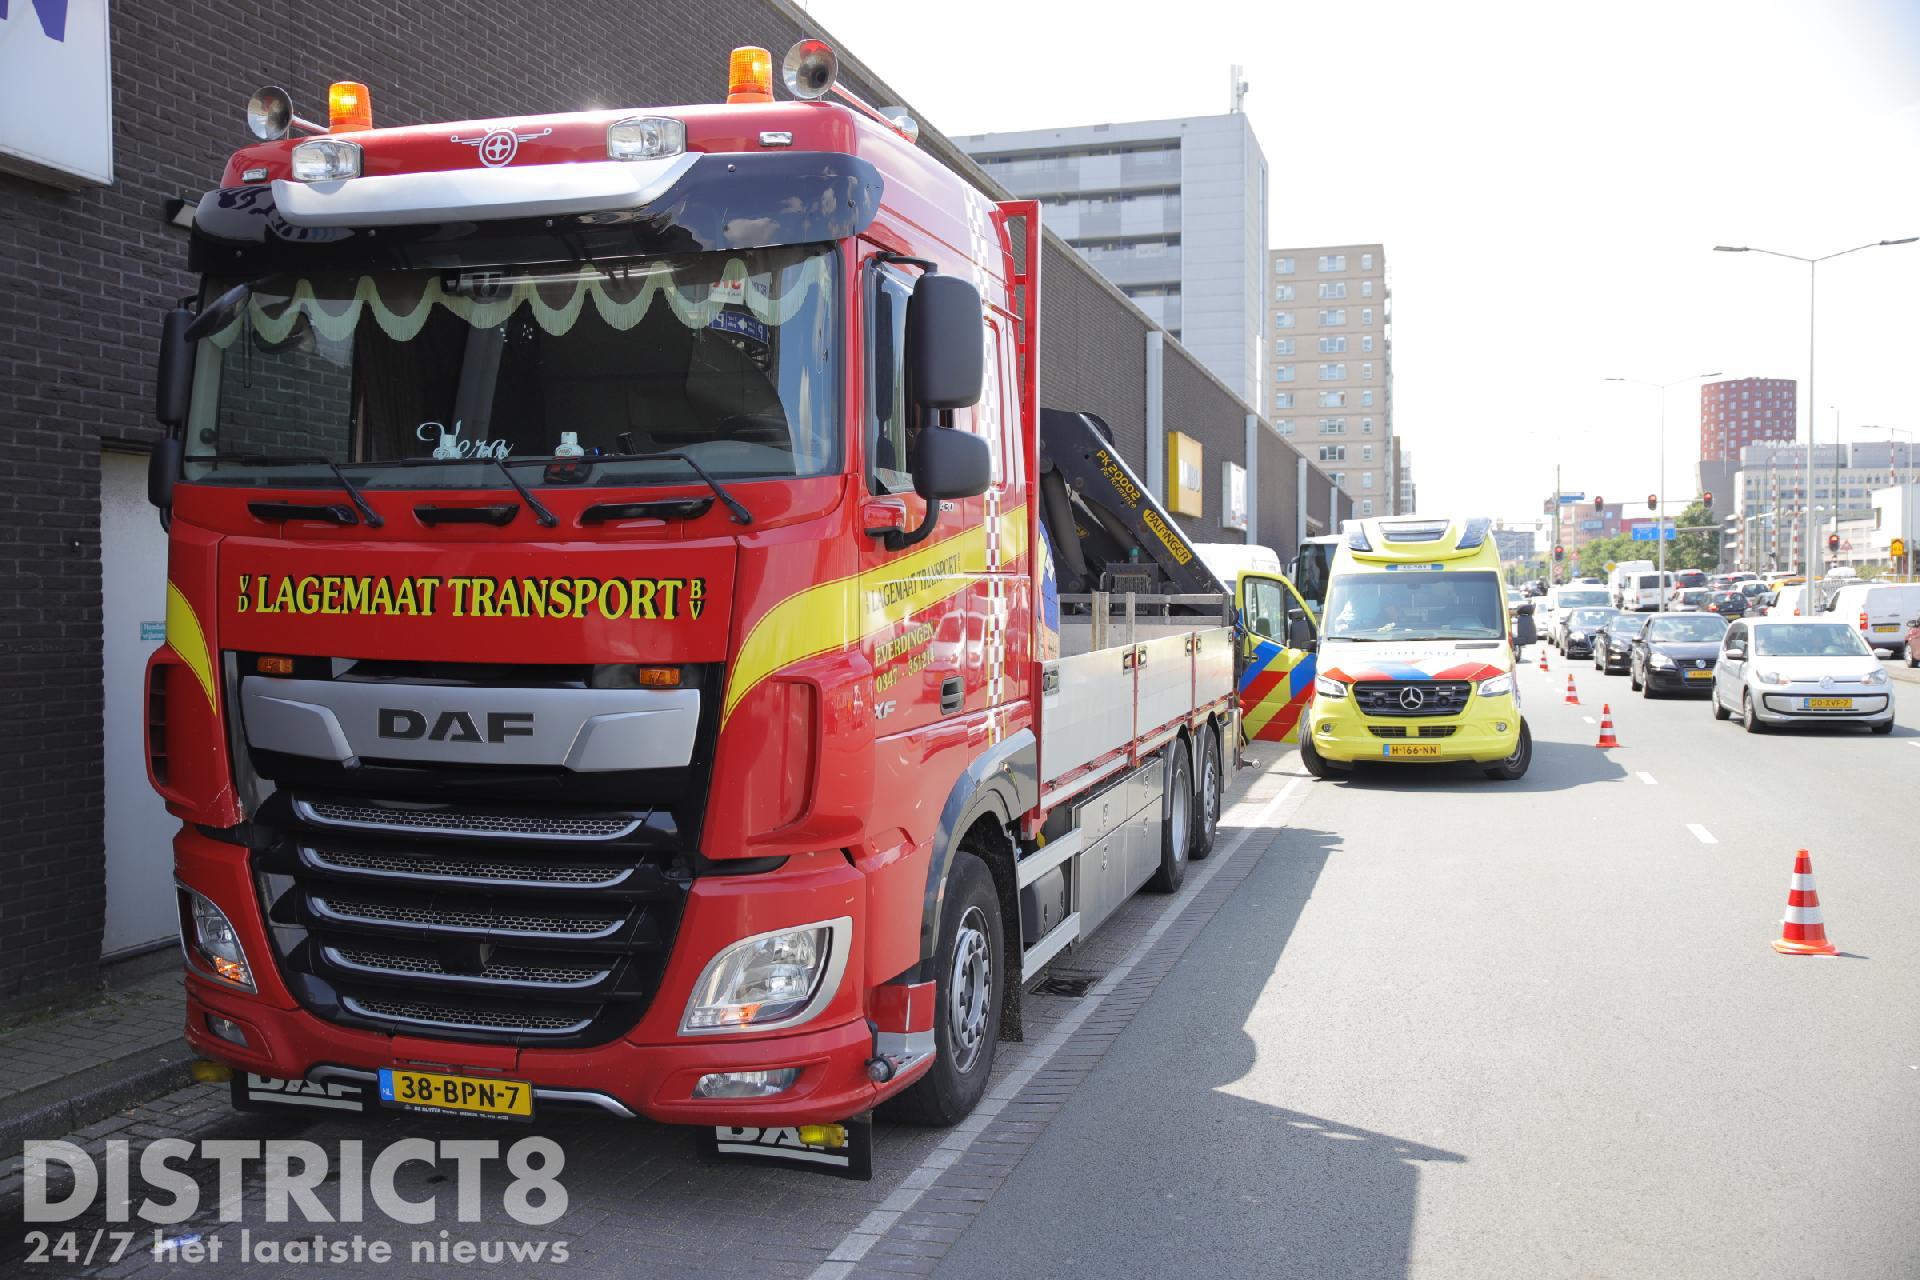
x,y
1411,699
454,726
498,146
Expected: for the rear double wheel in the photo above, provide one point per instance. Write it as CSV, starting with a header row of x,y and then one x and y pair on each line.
x,y
1176,820
1209,782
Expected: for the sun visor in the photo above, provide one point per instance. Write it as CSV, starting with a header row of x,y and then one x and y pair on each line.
x,y
720,201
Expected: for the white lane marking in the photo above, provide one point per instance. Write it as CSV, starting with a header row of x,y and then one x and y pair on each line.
x,y
1913,744
1649,779
1588,719
1701,834
868,1232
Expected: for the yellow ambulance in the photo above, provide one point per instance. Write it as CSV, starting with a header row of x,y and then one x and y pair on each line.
x,y
1415,653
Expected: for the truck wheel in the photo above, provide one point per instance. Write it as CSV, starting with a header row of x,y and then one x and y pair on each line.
x,y
966,1022
1515,766
1176,821
1208,784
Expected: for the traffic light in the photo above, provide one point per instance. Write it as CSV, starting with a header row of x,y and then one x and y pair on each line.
x,y
1833,542
1706,499
1653,502
1559,552
1598,502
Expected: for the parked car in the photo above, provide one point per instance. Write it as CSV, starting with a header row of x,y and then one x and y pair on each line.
x,y
1688,600
1778,671
1614,641
1581,624
1728,604
1676,654
1913,641
1879,612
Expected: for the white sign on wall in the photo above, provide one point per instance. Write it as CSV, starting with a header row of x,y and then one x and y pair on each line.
x,y
1234,507
56,95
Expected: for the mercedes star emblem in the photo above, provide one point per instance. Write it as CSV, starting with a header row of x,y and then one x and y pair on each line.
x,y
1412,699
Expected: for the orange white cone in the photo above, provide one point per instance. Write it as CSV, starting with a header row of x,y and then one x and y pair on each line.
x,y
1802,932
1606,727
1543,659
1573,697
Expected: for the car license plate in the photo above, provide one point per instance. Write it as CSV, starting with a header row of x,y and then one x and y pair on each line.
x,y
1415,749
431,1091
1699,675
1886,626
1826,704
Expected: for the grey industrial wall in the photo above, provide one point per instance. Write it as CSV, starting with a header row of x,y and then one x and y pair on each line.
x,y
84,276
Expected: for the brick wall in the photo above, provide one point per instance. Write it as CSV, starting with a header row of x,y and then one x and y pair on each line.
x,y
85,275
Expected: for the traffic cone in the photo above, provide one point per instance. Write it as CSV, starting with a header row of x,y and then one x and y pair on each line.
x,y
1572,698
1802,932
1543,659
1606,727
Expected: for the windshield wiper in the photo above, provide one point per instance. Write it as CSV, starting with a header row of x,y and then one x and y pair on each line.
x,y
546,518
371,516
740,513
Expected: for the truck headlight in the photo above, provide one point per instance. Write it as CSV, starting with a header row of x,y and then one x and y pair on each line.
x,y
777,979
208,940
1661,661
1327,687
325,160
1496,686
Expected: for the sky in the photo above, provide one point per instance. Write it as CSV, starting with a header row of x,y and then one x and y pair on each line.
x,y
1549,181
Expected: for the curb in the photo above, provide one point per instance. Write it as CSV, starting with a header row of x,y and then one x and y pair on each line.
x,y
60,1107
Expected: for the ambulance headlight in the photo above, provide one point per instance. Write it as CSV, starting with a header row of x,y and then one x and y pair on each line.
x,y
210,942
325,160
646,138
1496,686
777,979
1327,687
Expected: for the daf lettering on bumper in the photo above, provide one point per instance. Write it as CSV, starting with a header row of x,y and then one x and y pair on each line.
x,y
454,726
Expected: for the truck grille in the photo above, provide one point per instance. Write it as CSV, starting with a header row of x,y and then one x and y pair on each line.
x,y
1411,697
542,927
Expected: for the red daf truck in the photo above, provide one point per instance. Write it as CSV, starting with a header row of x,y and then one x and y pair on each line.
x,y
611,652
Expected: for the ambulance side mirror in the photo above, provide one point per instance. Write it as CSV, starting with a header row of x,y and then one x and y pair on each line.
x,y
1299,631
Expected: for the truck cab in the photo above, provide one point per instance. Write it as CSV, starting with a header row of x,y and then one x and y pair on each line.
x,y
1415,662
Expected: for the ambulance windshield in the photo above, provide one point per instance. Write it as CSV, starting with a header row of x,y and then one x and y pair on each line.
x,y
730,358
1414,605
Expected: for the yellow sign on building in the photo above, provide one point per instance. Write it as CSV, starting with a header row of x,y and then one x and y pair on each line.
x,y
1185,475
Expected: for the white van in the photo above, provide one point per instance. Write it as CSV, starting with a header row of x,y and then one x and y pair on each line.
x,y
1640,592
1228,559
1559,602
1619,576
1881,611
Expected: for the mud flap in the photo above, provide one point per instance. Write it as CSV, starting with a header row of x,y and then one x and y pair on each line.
x,y
262,1093
853,1161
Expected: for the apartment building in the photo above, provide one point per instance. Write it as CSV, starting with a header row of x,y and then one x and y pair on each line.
x,y
1330,366
1737,412
1172,212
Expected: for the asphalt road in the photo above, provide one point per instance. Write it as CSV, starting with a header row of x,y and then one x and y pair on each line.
x,y
1454,1028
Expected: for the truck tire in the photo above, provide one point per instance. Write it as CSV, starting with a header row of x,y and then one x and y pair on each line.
x,y
1209,781
1176,821
970,969
1514,767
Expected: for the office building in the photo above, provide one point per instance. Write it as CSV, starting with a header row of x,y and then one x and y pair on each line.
x,y
1769,496
1737,412
1172,212
1330,366
1574,524
1516,545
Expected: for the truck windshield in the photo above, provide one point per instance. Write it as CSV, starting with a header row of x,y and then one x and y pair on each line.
x,y
1462,605
729,358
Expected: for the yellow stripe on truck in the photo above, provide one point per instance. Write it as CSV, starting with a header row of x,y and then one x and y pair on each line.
x,y
185,638
833,616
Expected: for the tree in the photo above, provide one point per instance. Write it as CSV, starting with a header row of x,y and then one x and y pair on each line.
x,y
1595,556
1695,550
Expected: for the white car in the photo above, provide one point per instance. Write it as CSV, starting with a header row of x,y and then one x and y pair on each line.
x,y
1562,601
1779,671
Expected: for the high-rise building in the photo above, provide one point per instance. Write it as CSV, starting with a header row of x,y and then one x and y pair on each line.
x,y
1330,367
1172,212
1737,412
1770,495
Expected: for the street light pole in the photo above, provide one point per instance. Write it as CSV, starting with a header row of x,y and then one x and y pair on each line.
x,y
1660,494
1810,590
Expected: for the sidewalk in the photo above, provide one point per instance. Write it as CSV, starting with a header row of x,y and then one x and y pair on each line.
x,y
61,1072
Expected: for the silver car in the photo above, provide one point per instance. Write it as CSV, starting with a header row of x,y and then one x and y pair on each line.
x,y
1786,670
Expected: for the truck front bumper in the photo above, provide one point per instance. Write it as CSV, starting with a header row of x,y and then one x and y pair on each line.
x,y
651,1071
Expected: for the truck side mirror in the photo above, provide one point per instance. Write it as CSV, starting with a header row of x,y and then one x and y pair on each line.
x,y
951,464
163,468
945,356
173,371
